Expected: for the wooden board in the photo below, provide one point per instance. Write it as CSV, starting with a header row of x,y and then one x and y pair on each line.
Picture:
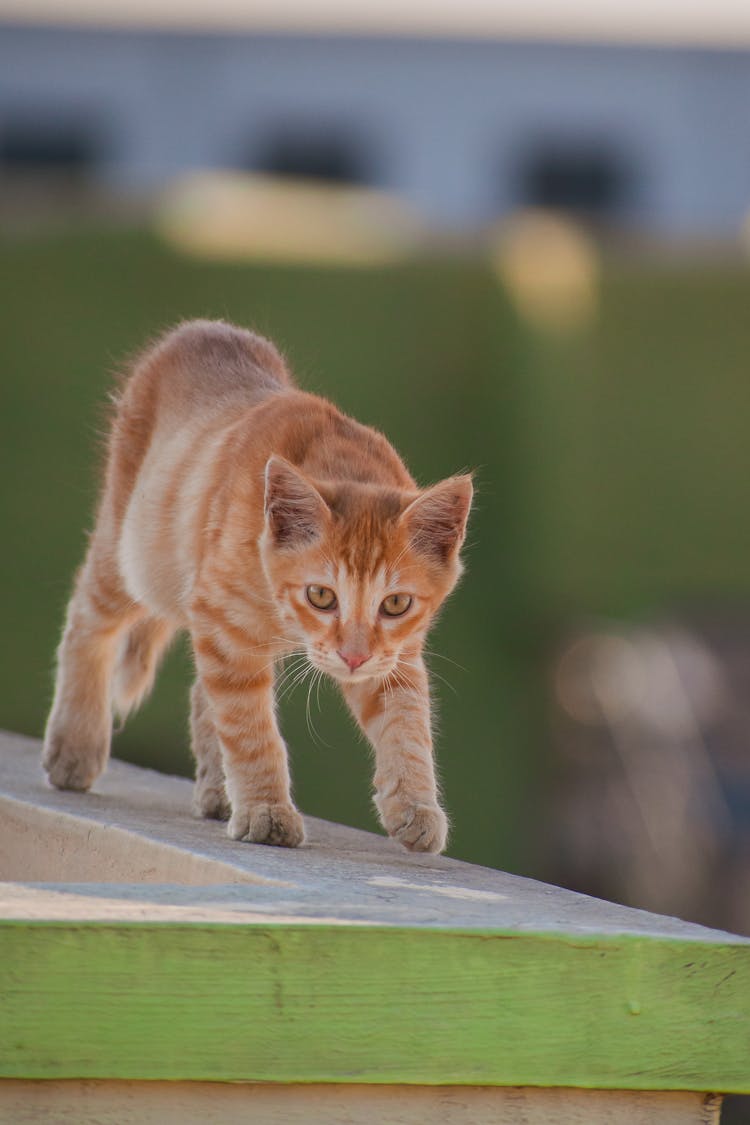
x,y
373,1004
195,1103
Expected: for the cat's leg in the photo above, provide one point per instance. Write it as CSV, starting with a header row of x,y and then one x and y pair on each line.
x,y
139,653
209,796
239,689
395,716
79,728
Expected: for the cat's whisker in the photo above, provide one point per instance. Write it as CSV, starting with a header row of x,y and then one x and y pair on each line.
x,y
308,717
275,642
288,675
317,673
393,565
256,675
264,667
402,679
290,668
393,684
297,676
441,656
433,675
389,693
442,679
286,658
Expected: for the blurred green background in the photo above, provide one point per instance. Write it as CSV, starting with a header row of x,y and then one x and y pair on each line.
x,y
611,458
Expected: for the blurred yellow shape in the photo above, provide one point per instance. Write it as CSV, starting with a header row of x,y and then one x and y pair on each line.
x,y
599,677
550,268
236,216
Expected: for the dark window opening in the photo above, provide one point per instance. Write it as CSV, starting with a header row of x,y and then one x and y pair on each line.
x,y
306,154
47,147
588,179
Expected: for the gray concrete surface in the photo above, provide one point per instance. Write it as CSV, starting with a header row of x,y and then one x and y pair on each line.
x,y
131,849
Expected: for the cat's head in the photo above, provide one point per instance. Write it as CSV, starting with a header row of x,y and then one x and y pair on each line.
x,y
358,571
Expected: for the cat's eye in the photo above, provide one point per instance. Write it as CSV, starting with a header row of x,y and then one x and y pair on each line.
x,y
321,597
395,604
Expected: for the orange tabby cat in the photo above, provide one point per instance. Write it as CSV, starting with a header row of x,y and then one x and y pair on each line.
x,y
266,523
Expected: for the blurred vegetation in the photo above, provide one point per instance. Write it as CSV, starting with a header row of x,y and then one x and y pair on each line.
x,y
611,464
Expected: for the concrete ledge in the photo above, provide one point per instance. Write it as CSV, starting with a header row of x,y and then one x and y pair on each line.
x,y
135,831
347,962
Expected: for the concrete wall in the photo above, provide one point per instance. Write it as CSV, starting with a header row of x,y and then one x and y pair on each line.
x,y
446,124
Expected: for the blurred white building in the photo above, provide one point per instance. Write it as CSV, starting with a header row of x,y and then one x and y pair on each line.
x,y
635,116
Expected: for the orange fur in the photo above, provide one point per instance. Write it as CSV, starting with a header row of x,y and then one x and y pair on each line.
x,y
230,497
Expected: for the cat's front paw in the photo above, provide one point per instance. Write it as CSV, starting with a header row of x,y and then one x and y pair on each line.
x,y
420,828
279,825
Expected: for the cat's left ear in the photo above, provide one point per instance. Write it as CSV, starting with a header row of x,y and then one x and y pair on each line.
x,y
296,513
436,520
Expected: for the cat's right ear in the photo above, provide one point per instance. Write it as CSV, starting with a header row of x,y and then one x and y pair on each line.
x,y
296,513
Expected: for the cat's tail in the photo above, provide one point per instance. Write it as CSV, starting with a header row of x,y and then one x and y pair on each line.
x,y
138,659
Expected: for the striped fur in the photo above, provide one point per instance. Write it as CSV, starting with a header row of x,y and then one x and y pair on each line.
x,y
228,492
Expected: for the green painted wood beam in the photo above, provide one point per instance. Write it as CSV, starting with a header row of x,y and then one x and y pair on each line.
x,y
343,1003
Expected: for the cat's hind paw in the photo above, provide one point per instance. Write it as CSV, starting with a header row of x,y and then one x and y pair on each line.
x,y
71,763
420,828
211,801
278,825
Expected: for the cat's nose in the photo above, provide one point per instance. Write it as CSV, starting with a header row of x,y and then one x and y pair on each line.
x,y
353,660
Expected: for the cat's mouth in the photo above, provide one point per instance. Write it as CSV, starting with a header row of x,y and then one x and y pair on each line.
x,y
337,669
